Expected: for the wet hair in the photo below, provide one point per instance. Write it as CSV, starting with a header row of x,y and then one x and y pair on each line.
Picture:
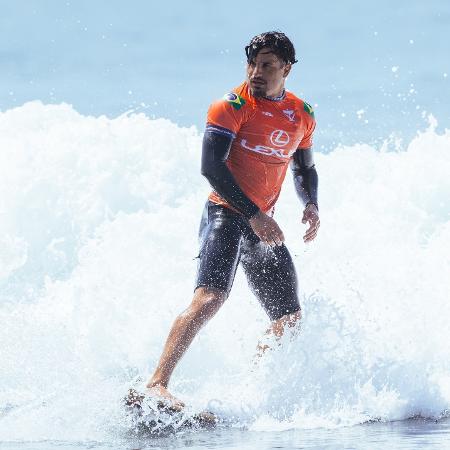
x,y
277,41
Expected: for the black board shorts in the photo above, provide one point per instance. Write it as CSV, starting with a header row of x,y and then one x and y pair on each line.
x,y
226,239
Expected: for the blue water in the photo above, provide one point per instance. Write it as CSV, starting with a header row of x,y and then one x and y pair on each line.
x,y
373,69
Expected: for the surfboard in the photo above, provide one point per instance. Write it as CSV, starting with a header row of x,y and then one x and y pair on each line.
x,y
152,415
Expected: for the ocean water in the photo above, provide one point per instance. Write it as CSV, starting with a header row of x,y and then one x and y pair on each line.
x,y
97,257
373,70
100,204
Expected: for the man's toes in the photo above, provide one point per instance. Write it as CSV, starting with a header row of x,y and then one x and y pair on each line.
x,y
167,405
133,398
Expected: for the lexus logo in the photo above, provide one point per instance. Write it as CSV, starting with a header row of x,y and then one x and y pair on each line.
x,y
279,138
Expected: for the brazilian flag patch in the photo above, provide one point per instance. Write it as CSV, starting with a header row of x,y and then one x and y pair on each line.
x,y
235,100
308,108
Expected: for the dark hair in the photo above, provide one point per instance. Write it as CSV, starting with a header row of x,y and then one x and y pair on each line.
x,y
277,41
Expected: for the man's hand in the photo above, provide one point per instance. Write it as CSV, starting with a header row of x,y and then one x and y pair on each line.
x,y
311,215
266,229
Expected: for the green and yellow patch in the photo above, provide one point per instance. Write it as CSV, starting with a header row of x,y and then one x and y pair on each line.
x,y
308,108
235,100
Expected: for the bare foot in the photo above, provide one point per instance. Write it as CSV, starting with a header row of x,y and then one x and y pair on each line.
x,y
133,398
165,398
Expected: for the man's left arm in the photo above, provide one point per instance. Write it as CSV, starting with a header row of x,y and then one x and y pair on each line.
x,y
306,183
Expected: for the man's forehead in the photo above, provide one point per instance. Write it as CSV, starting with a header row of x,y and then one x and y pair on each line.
x,y
267,54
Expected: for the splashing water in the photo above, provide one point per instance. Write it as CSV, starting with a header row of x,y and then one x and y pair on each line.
x,y
97,245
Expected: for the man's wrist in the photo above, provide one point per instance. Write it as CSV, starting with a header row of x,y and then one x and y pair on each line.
x,y
254,215
312,203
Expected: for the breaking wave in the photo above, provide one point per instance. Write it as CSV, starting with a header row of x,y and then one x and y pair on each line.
x,y
98,223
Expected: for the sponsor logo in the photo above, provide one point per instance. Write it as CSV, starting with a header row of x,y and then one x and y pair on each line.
x,y
266,113
308,108
290,114
235,100
262,149
279,138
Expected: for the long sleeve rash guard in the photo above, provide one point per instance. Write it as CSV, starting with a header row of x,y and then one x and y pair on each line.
x,y
215,151
306,180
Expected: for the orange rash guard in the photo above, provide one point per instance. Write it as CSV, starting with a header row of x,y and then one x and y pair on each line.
x,y
266,133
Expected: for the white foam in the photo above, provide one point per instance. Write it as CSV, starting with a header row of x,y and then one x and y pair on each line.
x,y
98,219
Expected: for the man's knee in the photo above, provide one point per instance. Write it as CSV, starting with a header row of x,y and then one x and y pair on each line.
x,y
206,302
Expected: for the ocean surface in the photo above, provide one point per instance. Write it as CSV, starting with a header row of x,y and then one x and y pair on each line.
x,y
101,118
373,70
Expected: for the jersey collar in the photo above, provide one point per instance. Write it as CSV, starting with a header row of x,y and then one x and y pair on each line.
x,y
278,98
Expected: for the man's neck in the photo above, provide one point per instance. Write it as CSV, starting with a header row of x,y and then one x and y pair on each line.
x,y
279,96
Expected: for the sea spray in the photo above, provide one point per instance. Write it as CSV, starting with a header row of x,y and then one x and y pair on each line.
x,y
99,221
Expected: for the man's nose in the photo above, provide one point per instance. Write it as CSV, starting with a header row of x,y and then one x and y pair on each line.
x,y
256,72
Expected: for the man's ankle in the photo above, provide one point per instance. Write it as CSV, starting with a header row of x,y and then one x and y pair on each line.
x,y
156,382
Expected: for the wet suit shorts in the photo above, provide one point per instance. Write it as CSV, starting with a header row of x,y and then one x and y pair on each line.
x,y
226,239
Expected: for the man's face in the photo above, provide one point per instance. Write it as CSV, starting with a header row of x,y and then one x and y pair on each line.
x,y
266,74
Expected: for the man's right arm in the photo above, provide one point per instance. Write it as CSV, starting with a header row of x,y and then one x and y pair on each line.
x,y
215,151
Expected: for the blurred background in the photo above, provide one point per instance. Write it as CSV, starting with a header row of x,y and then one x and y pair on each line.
x,y
373,70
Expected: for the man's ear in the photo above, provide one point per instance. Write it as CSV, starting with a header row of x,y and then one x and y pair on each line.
x,y
287,69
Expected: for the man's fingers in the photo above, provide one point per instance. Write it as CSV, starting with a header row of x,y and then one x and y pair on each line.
x,y
312,226
314,222
310,230
273,238
278,239
278,236
268,231
266,238
309,239
311,233
271,241
310,236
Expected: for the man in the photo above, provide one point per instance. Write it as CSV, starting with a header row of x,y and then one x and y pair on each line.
x,y
251,137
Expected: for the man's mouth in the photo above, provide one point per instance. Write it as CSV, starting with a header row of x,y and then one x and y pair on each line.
x,y
257,83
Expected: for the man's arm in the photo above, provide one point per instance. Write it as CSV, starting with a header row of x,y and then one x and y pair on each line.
x,y
306,183
215,150
306,179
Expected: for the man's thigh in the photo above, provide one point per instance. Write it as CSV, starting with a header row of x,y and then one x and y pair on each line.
x,y
272,277
220,238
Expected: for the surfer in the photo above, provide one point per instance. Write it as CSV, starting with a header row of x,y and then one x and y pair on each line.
x,y
252,135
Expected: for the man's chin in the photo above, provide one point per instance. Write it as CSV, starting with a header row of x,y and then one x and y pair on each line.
x,y
257,92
